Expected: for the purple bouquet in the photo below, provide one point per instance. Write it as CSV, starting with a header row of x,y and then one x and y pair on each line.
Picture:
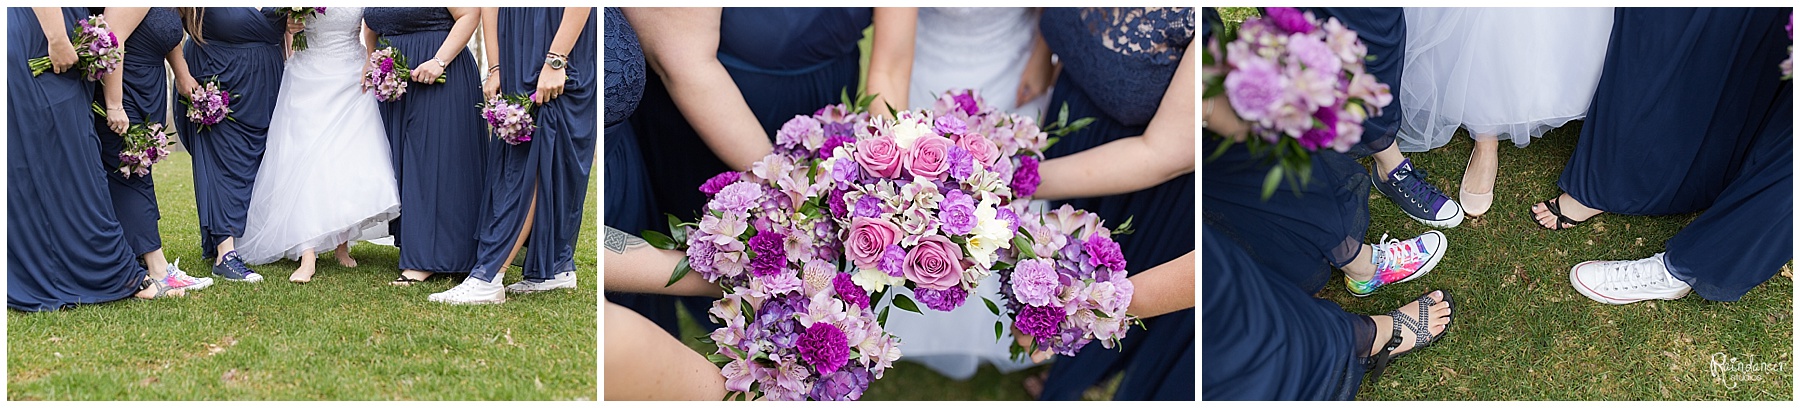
x,y
98,51
1067,286
301,14
509,117
388,73
1299,82
208,104
1787,65
145,145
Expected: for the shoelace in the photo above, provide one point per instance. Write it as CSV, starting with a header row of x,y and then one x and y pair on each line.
x,y
1418,187
236,264
1629,275
1383,257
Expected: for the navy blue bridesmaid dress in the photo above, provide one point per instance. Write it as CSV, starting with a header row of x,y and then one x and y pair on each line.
x,y
64,245
1682,91
786,61
243,51
630,207
557,160
1745,237
145,94
1120,86
1269,340
439,142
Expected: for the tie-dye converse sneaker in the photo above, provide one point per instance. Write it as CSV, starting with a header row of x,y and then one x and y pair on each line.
x,y
179,279
1400,261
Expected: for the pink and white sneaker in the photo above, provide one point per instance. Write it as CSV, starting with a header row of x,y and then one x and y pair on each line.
x,y
1622,282
1399,261
179,279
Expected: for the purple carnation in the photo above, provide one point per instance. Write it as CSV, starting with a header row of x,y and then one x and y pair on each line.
x,y
1289,19
796,130
832,143
1035,282
736,197
942,300
718,182
950,125
966,101
1039,321
769,253
700,259
849,292
957,211
845,171
846,385
962,165
825,347
1025,178
893,259
1104,252
868,206
836,202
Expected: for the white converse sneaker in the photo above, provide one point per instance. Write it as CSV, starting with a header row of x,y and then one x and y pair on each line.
x,y
565,280
472,292
1622,282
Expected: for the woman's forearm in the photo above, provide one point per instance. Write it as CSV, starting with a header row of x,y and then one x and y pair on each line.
x,y
1164,288
891,57
646,363
574,20
1165,151
490,37
467,19
51,20
681,45
632,265
123,21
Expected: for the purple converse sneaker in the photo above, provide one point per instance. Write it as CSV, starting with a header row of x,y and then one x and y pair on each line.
x,y
1407,188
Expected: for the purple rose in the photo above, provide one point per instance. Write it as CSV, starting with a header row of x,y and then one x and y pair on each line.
x,y
1025,178
825,347
935,263
1289,19
1039,321
769,255
1104,252
869,237
849,292
718,182
942,300
893,261
1035,282
957,212
880,156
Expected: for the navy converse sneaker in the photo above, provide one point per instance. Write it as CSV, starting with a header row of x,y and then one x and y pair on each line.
x,y
1407,188
233,269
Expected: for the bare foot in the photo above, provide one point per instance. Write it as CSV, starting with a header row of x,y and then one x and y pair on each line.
x,y
1571,208
1384,324
303,274
409,277
343,256
150,292
1034,385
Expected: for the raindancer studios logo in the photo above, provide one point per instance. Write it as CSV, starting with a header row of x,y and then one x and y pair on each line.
x,y
1731,371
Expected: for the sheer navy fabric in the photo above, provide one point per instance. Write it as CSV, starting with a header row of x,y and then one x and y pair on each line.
x,y
243,52
1745,237
1642,153
1383,31
439,144
630,207
1118,64
1268,340
554,166
145,86
64,244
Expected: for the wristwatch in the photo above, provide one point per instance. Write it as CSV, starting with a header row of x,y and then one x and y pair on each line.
x,y
555,61
441,63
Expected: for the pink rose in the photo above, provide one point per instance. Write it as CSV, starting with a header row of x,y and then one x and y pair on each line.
x,y
980,148
929,157
879,155
936,263
868,238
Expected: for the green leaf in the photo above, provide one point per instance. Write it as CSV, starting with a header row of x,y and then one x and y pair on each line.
x,y
992,308
1125,228
997,331
681,271
882,318
891,111
678,233
1269,182
659,240
844,96
718,358
1062,117
1101,314
906,303
1023,246
1079,124
1001,266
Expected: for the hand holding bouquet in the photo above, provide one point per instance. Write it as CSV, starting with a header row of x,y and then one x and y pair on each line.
x,y
145,145
509,117
97,50
208,104
300,15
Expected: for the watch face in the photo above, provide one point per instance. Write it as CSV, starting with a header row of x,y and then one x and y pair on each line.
x,y
556,63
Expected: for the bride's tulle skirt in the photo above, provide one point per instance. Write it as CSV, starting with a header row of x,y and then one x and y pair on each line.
x,y
326,176
1503,73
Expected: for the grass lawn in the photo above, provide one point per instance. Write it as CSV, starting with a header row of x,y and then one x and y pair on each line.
x,y
1522,332
345,336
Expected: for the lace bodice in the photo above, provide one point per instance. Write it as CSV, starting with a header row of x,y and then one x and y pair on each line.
x,y
159,32
335,34
407,20
1123,58
624,67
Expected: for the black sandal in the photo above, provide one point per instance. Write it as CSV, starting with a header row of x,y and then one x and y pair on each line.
x,y
1562,222
403,280
1421,329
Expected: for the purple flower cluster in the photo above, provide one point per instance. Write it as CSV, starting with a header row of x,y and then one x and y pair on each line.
x,y
1291,75
942,300
824,347
208,104
301,15
97,51
767,255
388,74
145,145
1073,289
508,116
718,182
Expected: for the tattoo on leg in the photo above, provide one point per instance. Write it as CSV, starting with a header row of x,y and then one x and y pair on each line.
x,y
618,241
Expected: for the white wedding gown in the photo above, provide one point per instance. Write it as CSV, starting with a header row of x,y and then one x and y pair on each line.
x,y
1513,73
326,174
980,48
